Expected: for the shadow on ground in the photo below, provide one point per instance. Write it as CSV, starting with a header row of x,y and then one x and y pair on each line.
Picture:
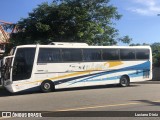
x,y
5,93
153,103
147,82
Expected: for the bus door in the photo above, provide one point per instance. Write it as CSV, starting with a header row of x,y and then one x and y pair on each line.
x,y
6,70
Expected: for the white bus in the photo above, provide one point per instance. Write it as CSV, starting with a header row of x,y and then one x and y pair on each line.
x,y
56,66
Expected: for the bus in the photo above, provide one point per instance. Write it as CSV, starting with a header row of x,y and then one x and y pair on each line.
x,y
69,65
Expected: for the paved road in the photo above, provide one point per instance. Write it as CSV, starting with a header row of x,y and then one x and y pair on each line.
x,y
143,96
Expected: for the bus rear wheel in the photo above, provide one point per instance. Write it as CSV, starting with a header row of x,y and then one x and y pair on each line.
x,y
124,81
47,86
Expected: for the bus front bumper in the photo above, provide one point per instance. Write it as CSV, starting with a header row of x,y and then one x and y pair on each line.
x,y
10,88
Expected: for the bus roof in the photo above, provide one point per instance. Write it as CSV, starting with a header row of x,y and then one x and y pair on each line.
x,y
79,46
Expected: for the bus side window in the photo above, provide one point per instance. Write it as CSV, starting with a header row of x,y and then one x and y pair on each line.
x,y
110,54
92,55
49,55
72,55
142,54
127,54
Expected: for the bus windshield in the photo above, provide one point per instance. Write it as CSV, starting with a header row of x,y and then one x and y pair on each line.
x,y
23,63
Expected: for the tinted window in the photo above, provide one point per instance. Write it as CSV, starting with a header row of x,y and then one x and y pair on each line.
x,y
127,54
91,54
110,54
142,54
49,55
72,54
23,63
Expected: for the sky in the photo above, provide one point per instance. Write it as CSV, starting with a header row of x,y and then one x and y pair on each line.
x,y
139,21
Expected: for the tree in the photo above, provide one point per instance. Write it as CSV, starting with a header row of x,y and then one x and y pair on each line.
x,y
138,44
156,54
133,44
126,39
87,21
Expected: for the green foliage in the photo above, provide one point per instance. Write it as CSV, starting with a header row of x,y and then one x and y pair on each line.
x,y
133,44
126,39
156,54
138,44
87,21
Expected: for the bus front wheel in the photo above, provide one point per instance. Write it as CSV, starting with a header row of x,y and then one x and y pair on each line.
x,y
124,81
47,86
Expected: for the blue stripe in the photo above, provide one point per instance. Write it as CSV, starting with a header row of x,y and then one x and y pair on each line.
x,y
140,68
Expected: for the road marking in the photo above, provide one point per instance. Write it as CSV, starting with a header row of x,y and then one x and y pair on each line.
x,y
100,106
157,101
91,107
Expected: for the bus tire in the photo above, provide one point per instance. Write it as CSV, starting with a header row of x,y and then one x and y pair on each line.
x,y
124,81
47,86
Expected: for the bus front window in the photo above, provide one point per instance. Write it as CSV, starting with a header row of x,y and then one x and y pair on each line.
x,y
23,63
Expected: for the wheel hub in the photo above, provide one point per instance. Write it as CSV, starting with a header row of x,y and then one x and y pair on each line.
x,y
47,86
